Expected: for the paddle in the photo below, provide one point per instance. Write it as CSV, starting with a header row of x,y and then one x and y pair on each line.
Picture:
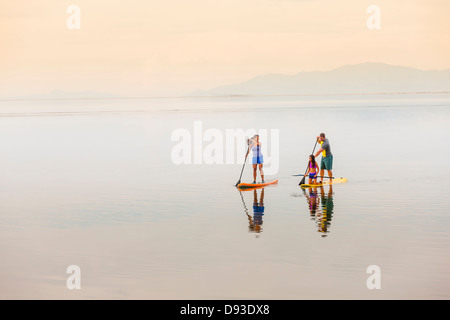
x,y
303,179
299,175
237,183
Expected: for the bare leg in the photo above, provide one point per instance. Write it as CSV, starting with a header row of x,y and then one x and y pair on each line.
x,y
330,174
254,173
261,172
313,180
321,175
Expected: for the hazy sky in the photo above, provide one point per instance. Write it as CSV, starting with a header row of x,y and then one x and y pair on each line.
x,y
171,47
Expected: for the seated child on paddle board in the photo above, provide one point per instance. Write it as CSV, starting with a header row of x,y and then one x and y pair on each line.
x,y
313,169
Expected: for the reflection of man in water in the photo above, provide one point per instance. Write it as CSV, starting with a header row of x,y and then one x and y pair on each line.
x,y
258,211
327,210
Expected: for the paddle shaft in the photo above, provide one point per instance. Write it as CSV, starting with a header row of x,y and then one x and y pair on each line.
x,y
316,176
303,180
240,177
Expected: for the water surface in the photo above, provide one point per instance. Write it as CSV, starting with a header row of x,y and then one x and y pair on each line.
x,y
92,183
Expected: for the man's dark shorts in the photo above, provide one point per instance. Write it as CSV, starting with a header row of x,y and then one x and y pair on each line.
x,y
326,163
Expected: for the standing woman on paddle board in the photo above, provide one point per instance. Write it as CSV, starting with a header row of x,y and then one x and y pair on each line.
x,y
327,157
257,160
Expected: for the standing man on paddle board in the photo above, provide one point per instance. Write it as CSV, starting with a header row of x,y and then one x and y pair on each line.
x,y
327,157
257,160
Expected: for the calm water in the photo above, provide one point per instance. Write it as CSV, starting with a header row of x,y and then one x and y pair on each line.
x,y
92,183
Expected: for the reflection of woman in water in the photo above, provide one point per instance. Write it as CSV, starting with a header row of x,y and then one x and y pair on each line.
x,y
255,221
258,210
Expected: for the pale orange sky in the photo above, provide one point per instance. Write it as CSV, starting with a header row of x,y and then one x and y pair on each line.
x,y
172,47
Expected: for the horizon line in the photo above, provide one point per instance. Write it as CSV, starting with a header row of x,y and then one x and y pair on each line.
x,y
223,96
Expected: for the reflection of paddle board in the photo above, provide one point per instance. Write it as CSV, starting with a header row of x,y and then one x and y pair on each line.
x,y
256,185
333,181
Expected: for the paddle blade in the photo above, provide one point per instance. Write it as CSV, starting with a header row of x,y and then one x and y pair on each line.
x,y
302,181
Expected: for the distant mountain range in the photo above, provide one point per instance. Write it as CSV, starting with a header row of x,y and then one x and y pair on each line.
x,y
359,78
364,78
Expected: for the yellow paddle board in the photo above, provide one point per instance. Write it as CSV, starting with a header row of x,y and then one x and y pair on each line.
x,y
326,183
